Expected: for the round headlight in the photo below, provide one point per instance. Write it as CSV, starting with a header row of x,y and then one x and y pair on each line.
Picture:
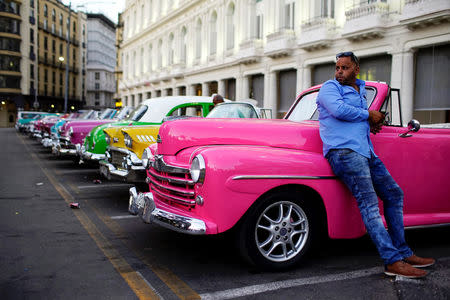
x,y
107,139
128,141
197,169
147,158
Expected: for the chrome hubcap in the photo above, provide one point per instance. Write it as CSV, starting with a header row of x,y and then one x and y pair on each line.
x,y
281,231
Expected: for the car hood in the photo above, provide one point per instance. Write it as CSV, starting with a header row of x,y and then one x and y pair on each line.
x,y
175,136
75,123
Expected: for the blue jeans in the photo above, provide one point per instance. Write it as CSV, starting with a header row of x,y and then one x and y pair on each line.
x,y
367,177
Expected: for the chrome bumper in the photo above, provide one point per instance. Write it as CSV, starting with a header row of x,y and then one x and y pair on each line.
x,y
89,156
58,151
133,174
48,142
142,204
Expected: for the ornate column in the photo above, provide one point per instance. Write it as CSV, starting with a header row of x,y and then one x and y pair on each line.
x,y
307,74
402,77
205,89
191,90
176,91
221,87
270,92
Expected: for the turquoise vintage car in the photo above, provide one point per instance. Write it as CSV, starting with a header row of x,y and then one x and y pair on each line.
x,y
149,112
25,117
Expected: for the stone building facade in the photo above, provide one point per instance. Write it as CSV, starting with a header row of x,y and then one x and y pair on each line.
x,y
271,50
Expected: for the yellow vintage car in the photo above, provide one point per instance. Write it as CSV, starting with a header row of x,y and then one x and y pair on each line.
x,y
126,144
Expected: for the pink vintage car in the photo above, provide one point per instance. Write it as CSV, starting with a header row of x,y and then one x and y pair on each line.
x,y
268,179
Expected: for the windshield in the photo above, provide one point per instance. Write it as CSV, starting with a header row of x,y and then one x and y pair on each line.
x,y
107,114
233,110
86,115
137,113
306,107
124,113
28,115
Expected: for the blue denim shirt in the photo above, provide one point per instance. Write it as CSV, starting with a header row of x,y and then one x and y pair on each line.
x,y
343,117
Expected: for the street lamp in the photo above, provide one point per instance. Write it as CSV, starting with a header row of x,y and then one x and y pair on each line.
x,y
66,81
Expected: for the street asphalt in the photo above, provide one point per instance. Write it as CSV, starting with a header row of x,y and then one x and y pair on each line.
x,y
51,251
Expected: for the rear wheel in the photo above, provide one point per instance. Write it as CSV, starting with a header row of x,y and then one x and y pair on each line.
x,y
278,231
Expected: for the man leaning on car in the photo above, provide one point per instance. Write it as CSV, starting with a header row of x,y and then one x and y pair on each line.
x,y
345,126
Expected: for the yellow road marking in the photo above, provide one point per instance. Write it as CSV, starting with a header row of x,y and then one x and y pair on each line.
x,y
179,287
74,188
132,278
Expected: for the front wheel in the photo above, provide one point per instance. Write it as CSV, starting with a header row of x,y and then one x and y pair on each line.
x,y
277,232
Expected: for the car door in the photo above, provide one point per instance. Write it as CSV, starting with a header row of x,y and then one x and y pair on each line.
x,y
419,164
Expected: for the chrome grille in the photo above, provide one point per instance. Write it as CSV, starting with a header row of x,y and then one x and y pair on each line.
x,y
117,158
65,143
171,184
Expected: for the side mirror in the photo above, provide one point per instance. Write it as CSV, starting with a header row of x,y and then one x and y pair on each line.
x,y
413,126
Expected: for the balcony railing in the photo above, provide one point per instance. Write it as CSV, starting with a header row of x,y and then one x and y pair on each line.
x,y
369,9
422,13
250,51
279,43
317,33
366,20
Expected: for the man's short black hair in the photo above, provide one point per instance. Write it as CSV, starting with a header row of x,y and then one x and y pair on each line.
x,y
350,54
218,98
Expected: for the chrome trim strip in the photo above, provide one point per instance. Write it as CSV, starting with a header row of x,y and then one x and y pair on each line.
x,y
171,180
171,189
160,165
241,177
173,198
427,226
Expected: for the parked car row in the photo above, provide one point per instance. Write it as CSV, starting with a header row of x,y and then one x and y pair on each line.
x,y
201,169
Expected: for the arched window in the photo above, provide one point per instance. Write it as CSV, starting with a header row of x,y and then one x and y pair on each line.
x,y
171,50
141,62
159,54
150,12
213,34
143,19
134,64
198,39
45,10
183,44
230,26
150,58
259,20
289,14
127,67
135,22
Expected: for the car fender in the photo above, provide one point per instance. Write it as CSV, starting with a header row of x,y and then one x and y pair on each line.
x,y
237,176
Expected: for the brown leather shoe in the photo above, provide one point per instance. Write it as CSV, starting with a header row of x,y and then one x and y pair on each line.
x,y
403,269
419,262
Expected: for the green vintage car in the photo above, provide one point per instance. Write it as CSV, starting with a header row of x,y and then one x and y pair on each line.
x,y
149,112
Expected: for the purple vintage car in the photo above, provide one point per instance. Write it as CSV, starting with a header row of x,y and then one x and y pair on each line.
x,y
73,132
